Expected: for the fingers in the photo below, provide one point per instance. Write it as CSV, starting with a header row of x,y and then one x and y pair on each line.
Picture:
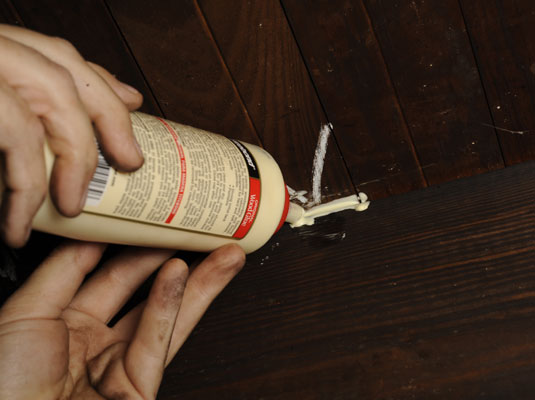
x,y
23,168
105,293
207,280
111,117
146,355
103,105
130,97
49,92
50,289
67,95
76,156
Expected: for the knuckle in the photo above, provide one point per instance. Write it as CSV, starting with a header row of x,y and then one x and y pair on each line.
x,y
23,128
22,139
34,193
34,127
80,152
65,47
62,76
28,182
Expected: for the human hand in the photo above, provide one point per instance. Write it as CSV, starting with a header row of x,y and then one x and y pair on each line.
x,y
47,90
54,338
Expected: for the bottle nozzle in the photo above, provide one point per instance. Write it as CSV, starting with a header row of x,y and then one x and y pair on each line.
x,y
295,213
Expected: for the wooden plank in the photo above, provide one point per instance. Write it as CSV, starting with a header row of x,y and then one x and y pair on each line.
x,y
88,25
8,14
348,70
428,54
182,65
264,60
425,294
502,35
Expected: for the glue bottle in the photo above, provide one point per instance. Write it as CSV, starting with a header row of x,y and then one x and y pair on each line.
x,y
196,191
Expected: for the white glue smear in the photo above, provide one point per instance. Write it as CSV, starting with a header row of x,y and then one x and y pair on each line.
x,y
297,195
297,215
319,160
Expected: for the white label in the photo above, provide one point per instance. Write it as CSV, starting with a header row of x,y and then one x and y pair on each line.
x,y
191,179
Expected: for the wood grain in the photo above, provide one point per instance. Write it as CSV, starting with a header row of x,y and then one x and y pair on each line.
x,y
349,72
266,65
433,69
8,14
502,34
425,295
183,66
88,25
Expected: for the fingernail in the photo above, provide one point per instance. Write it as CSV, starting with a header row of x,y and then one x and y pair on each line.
x,y
130,88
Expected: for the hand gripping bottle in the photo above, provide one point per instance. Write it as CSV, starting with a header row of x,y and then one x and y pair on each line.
x,y
196,191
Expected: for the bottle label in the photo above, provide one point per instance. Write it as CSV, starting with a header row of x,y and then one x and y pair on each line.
x,y
191,179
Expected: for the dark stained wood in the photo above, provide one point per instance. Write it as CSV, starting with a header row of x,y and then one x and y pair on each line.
x,y
425,295
182,65
503,34
444,104
345,62
428,54
8,15
264,61
88,25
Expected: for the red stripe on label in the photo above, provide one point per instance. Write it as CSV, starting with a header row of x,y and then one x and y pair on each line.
x,y
252,209
182,184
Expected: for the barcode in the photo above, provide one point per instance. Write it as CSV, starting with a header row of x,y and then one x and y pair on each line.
x,y
98,183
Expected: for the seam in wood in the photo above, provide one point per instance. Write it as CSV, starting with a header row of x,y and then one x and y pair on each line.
x,y
316,91
414,152
132,55
14,12
209,32
476,61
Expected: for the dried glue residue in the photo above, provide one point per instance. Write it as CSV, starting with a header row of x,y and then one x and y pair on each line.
x,y
297,195
297,215
319,161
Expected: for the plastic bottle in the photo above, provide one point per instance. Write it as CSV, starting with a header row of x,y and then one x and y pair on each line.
x,y
196,191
